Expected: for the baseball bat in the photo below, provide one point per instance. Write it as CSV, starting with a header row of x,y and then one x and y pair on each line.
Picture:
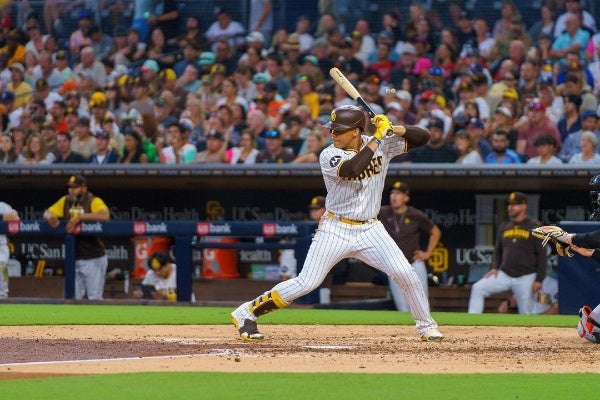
x,y
349,88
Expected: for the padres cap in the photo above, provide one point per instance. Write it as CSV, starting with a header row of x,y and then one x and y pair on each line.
x,y
517,198
157,260
76,181
400,186
346,117
317,202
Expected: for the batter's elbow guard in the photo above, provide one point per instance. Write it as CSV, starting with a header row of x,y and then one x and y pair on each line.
x,y
416,136
267,302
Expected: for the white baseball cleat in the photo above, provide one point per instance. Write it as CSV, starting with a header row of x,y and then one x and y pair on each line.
x,y
247,328
432,335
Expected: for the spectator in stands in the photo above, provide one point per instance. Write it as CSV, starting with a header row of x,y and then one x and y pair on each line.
x,y
303,32
193,33
538,124
571,144
528,84
225,28
485,42
83,142
133,150
100,42
165,16
403,68
546,148
518,263
245,153
15,50
588,155
191,53
90,67
362,34
164,106
216,144
36,39
274,66
103,153
465,34
8,152
58,111
35,151
508,11
574,7
574,38
554,104
180,151
21,89
571,121
435,151
48,131
574,65
98,105
476,129
466,148
65,154
313,145
574,84
189,80
514,42
274,152
229,94
309,96
45,70
116,140
544,25
121,51
142,102
81,36
501,154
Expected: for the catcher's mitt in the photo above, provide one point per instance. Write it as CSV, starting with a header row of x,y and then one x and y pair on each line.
x,y
555,236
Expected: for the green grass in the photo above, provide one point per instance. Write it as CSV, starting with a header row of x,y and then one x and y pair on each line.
x,y
289,386
68,314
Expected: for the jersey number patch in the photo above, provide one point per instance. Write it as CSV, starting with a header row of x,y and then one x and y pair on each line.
x,y
335,160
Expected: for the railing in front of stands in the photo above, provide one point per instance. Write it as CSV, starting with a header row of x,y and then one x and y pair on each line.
x,y
183,232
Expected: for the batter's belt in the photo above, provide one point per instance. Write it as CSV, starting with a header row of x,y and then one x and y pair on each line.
x,y
349,221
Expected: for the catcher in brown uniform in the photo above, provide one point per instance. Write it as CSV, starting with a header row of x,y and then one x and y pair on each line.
x,y
406,224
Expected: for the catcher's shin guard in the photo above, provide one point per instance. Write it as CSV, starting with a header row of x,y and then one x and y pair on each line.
x,y
267,302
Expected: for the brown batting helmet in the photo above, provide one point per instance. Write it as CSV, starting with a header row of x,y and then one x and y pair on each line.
x,y
346,117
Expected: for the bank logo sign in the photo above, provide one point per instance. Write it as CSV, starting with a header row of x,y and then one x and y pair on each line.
x,y
142,228
271,229
207,228
15,227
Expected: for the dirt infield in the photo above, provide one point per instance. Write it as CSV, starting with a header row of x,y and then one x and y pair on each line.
x,y
35,351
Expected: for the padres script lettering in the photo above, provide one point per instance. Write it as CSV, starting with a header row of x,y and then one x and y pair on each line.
x,y
374,168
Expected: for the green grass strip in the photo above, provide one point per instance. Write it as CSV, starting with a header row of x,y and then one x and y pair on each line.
x,y
69,314
290,386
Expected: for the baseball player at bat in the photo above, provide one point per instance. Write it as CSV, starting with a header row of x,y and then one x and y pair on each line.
x,y
354,169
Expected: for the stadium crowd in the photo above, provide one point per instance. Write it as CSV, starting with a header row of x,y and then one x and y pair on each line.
x,y
164,89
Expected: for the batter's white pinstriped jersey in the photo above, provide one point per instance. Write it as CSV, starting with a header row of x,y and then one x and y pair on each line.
x,y
336,239
358,199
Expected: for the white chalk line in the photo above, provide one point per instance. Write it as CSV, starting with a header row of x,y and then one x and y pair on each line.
x,y
219,352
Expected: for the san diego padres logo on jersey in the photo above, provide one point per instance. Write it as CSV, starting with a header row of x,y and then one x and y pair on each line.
x,y
335,160
333,116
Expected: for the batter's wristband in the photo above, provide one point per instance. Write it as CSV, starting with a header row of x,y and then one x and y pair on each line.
x,y
377,140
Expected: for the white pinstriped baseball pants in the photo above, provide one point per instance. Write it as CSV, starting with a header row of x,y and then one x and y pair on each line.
x,y
370,243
